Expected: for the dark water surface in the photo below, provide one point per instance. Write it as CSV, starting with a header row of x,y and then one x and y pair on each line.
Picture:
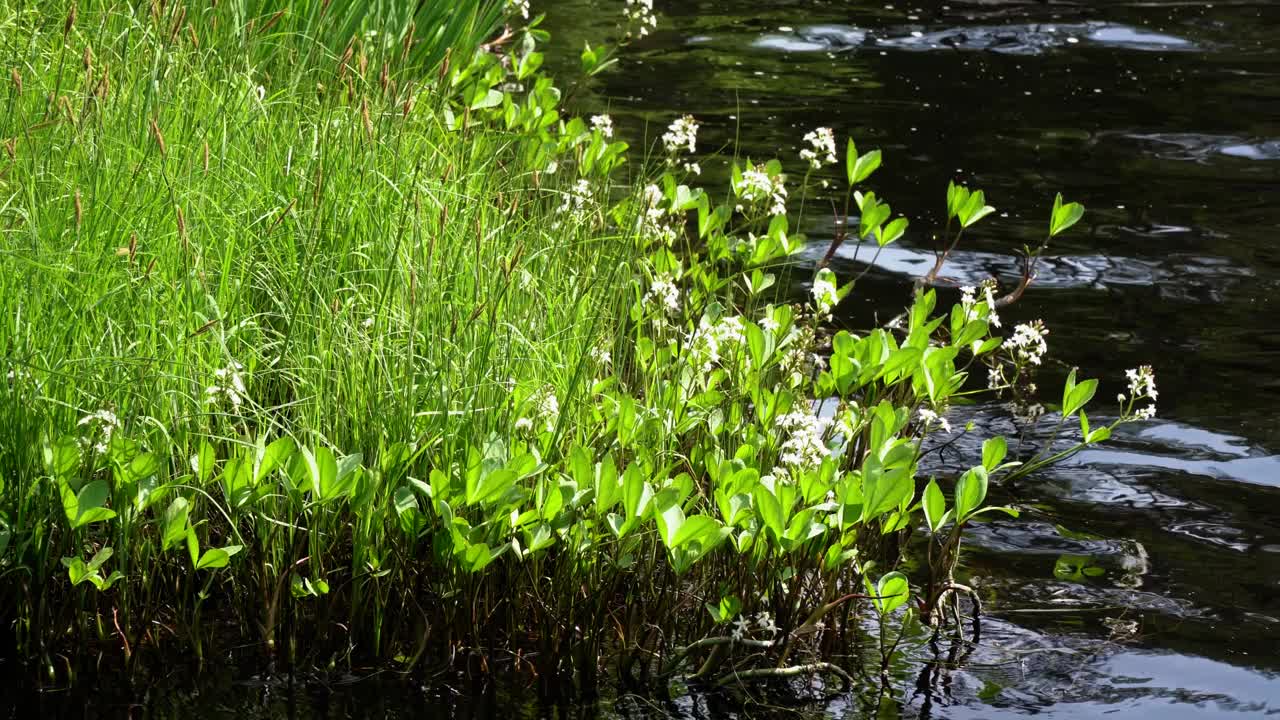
x,y
1145,582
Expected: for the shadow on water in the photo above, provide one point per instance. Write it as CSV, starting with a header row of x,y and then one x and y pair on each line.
x,y
1144,578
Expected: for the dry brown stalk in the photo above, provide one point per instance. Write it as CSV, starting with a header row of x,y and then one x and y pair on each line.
x,y
159,136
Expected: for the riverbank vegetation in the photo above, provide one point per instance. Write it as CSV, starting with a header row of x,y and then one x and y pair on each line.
x,y
341,339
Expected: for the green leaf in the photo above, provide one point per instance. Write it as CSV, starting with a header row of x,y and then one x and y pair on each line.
x,y
324,472
173,524
90,504
993,452
1064,216
203,462
492,486
99,558
62,459
902,362
608,488
864,166
769,510
892,232
272,456
1078,397
486,99
850,160
891,592
217,557
934,505
695,527
971,491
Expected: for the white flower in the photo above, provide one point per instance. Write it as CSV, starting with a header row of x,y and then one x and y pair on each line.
x,y
995,378
824,291
549,405
765,621
822,148
708,341
693,168
578,199
640,13
768,324
966,298
1027,342
524,424
929,418
741,627
228,383
106,422
804,446
652,222
664,293
604,124
682,134
1142,382
756,187
602,356
988,293
1026,413
520,7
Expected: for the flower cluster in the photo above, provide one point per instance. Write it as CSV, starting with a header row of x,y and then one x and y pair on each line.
x,y
578,199
228,384
758,187
822,148
930,419
1142,385
104,422
653,222
603,123
681,135
764,621
805,446
640,13
518,7
825,293
1027,342
543,412
711,340
664,293
968,301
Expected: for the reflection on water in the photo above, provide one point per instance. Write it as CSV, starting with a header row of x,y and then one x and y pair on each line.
x,y
1008,39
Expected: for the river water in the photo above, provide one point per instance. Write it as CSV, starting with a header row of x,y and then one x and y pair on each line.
x,y
1145,579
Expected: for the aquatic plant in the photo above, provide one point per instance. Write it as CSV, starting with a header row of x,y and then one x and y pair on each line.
x,y
372,362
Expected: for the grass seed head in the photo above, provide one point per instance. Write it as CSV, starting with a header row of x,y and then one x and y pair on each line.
x,y
159,136
17,80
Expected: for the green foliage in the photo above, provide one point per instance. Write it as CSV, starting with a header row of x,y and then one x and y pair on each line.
x,y
395,341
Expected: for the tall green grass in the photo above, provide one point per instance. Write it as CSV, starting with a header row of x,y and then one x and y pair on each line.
x,y
370,268
346,345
